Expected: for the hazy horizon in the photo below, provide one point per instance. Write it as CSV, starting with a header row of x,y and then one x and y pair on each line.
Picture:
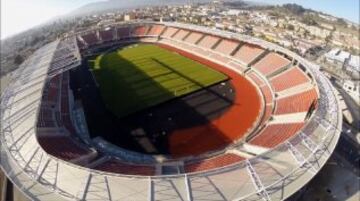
x,y
20,15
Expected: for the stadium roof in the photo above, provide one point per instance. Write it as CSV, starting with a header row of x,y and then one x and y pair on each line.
x,y
273,175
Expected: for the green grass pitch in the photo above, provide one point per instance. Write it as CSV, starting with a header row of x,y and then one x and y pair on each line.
x,y
143,75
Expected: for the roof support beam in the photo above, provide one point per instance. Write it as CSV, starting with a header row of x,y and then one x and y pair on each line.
x,y
188,188
308,142
300,159
151,190
261,190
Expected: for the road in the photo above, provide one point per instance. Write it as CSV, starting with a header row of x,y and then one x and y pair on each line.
x,y
351,104
348,147
347,153
333,183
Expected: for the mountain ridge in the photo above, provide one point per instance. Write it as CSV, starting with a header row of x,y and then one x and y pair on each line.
x,y
122,4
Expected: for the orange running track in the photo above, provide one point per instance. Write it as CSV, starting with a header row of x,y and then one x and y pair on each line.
x,y
227,128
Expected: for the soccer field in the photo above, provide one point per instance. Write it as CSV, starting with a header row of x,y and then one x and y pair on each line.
x,y
143,75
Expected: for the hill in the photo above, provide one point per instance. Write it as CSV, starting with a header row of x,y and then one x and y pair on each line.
x,y
121,4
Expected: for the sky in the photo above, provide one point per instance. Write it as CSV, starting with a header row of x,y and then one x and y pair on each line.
x,y
348,9
20,15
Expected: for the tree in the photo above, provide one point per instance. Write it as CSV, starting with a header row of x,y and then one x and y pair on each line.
x,y
309,20
290,27
328,39
341,21
295,9
306,33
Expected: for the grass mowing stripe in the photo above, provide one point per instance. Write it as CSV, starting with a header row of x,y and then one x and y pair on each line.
x,y
138,76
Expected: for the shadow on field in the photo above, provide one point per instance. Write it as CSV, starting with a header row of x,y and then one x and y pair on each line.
x,y
175,126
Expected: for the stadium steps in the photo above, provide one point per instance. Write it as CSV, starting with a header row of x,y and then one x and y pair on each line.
x,y
289,118
97,162
200,39
288,79
85,159
301,102
238,66
275,134
212,162
134,28
148,28
216,44
187,35
304,69
294,90
167,168
287,57
237,48
258,58
248,70
241,153
253,149
163,31
174,34
280,70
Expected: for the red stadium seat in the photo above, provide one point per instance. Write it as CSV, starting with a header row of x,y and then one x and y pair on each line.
x,y
45,118
208,41
247,53
117,166
180,35
90,38
267,114
212,163
271,63
227,46
107,35
256,79
123,32
194,37
296,103
63,147
140,31
156,30
288,79
266,91
220,58
275,134
169,32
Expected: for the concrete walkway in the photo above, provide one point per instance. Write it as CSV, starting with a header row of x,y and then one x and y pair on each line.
x,y
295,90
289,118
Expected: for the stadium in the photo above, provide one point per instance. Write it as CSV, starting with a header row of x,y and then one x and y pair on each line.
x,y
165,111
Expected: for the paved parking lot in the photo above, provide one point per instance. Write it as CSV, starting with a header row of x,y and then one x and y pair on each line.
x,y
336,182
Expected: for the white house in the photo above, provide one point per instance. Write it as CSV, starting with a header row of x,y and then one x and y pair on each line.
x,y
337,56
